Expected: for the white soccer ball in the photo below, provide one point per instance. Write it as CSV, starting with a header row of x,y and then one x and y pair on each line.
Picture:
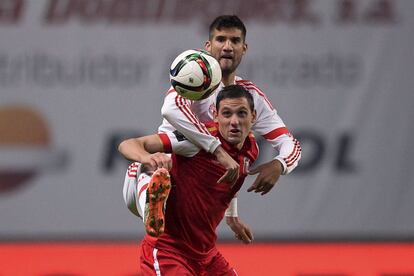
x,y
195,74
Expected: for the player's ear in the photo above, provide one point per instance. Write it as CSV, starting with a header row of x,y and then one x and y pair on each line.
x,y
254,116
207,46
245,47
215,116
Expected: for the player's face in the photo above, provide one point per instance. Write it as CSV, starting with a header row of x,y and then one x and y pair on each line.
x,y
228,47
235,120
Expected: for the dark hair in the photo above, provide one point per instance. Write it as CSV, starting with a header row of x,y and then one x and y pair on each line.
x,y
233,92
227,21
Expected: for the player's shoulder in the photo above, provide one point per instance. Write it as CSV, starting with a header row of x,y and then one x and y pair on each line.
x,y
258,95
244,82
250,86
171,90
172,96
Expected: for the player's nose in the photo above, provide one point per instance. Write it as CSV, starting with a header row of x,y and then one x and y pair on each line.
x,y
228,46
234,121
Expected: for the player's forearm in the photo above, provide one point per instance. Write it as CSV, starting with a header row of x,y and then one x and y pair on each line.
x,y
133,149
176,110
202,140
231,211
289,152
231,221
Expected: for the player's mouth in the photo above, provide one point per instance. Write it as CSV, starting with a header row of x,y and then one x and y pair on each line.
x,y
228,57
234,131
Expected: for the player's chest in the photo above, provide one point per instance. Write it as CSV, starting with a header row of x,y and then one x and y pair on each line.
x,y
208,169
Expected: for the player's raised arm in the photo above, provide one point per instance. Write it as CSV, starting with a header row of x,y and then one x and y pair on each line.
x,y
177,111
148,152
273,129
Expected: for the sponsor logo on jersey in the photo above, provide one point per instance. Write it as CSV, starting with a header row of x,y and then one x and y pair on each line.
x,y
180,137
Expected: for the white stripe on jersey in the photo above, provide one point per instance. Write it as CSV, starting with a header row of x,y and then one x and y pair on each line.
x,y
183,105
251,86
293,157
156,264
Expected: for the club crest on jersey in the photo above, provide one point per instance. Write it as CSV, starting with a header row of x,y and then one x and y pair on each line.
x,y
245,165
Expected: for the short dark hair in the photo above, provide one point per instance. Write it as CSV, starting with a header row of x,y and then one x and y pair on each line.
x,y
233,92
227,21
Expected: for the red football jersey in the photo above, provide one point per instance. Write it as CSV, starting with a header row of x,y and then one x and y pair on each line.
x,y
197,203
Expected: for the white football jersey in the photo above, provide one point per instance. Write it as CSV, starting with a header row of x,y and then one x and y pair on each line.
x,y
188,117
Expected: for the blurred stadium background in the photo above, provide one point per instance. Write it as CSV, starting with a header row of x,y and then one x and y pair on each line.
x,y
78,76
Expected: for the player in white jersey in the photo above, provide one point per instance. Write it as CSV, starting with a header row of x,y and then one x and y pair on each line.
x,y
227,44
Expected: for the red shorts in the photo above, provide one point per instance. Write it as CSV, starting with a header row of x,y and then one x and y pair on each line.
x,y
160,262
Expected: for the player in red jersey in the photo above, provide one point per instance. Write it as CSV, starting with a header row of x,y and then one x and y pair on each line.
x,y
197,202
227,43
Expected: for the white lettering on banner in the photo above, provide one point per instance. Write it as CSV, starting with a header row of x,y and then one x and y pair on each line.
x,y
46,70
326,70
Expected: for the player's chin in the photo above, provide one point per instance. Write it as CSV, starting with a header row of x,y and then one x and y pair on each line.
x,y
234,139
226,64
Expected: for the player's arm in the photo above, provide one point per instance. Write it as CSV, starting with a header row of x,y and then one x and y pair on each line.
x,y
148,150
287,158
140,149
272,128
241,231
177,111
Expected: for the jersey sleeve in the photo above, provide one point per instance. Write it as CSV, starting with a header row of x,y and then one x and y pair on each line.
x,y
231,211
177,111
271,127
175,142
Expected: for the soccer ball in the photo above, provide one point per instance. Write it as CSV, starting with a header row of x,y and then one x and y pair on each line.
x,y
195,74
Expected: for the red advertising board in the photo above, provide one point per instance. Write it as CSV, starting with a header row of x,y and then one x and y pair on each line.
x,y
285,259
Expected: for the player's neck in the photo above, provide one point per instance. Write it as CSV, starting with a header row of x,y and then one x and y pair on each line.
x,y
229,79
238,146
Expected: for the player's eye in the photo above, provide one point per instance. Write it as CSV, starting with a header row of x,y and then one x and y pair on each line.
x,y
236,40
220,38
226,113
243,113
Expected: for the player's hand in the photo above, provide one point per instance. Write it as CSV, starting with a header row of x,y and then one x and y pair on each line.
x,y
155,161
232,167
269,174
241,231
